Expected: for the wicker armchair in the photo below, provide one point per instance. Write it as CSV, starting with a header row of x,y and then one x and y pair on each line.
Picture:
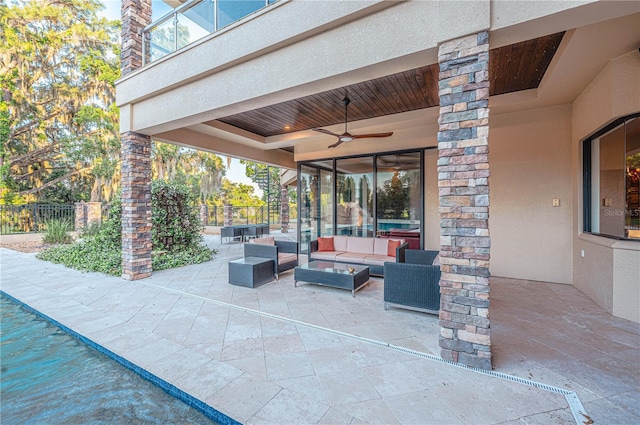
x,y
414,284
283,253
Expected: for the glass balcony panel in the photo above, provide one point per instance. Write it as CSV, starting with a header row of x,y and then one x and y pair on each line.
x,y
196,23
161,41
230,11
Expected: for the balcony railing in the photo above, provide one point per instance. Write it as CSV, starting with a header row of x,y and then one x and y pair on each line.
x,y
193,21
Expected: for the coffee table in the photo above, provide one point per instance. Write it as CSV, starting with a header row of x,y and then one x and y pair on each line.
x,y
250,271
336,275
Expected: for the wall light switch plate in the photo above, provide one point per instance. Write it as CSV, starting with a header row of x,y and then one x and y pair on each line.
x,y
607,202
555,202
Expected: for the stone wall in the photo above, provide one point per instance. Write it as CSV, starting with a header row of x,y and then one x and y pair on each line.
x,y
463,184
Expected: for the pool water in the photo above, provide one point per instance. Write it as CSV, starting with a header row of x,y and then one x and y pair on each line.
x,y
49,377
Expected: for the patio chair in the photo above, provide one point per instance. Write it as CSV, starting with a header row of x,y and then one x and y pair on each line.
x,y
230,233
414,284
283,253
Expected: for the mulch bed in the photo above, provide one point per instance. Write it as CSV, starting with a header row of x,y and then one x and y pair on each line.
x,y
29,247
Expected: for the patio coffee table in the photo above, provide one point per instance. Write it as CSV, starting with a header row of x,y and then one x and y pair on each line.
x,y
250,271
336,275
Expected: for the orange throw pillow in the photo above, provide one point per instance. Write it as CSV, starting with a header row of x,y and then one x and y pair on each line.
x,y
325,244
391,248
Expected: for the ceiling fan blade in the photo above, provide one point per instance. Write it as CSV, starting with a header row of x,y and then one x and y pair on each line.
x,y
337,143
367,136
322,130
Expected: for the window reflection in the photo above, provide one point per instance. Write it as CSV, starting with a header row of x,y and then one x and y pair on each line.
x,y
398,193
613,160
354,189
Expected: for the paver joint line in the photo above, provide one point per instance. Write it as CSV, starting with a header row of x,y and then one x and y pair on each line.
x,y
577,409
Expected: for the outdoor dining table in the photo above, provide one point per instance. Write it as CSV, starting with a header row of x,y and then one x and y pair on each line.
x,y
244,231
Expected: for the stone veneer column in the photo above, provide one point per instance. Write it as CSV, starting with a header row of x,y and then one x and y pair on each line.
x,y
463,172
228,215
204,215
87,214
136,156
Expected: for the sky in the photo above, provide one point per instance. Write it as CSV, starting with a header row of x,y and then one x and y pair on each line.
x,y
112,11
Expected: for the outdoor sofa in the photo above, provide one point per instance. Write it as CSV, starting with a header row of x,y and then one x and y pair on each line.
x,y
372,252
414,283
283,253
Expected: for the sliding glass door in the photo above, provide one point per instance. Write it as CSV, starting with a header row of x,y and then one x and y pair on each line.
x,y
399,196
378,195
354,200
315,194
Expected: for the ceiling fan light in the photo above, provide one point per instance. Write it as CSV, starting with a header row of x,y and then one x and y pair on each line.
x,y
346,138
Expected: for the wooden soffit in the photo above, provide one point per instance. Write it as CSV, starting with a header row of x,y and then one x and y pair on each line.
x,y
512,68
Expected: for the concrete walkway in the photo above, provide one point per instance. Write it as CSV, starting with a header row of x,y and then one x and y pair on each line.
x,y
316,355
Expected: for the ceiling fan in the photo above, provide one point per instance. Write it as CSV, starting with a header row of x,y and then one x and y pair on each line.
x,y
346,136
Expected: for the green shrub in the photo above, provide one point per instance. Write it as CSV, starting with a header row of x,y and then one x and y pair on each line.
x,y
57,232
175,220
175,235
87,255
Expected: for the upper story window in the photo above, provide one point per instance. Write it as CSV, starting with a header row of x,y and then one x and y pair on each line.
x,y
612,180
193,21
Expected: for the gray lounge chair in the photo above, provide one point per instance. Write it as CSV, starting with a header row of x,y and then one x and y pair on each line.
x,y
414,284
284,254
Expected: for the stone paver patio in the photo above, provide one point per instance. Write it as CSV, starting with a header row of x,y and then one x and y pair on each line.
x,y
315,355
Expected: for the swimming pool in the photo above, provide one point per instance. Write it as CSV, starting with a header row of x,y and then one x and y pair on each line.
x,y
50,377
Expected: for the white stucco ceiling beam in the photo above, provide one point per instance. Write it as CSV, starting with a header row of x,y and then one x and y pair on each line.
x,y
517,21
196,140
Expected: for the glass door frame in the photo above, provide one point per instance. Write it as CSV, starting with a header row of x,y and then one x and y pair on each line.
x,y
374,157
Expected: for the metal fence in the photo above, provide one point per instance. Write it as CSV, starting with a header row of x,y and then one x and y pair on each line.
x,y
246,215
30,218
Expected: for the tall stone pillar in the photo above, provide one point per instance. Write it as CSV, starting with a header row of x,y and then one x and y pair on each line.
x,y
87,214
204,215
284,209
228,215
135,156
463,182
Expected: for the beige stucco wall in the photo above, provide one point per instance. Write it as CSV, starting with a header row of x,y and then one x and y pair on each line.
x,y
530,160
609,271
626,280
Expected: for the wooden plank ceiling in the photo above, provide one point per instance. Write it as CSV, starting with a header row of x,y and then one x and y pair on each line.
x,y
516,67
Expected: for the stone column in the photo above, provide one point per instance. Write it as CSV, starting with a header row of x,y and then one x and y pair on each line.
x,y
463,172
228,215
136,206
80,216
284,209
87,214
136,156
204,215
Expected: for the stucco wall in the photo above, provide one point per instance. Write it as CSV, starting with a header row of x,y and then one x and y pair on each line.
x,y
609,271
530,160
626,280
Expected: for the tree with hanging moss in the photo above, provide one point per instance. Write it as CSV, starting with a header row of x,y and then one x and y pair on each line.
x,y
58,121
